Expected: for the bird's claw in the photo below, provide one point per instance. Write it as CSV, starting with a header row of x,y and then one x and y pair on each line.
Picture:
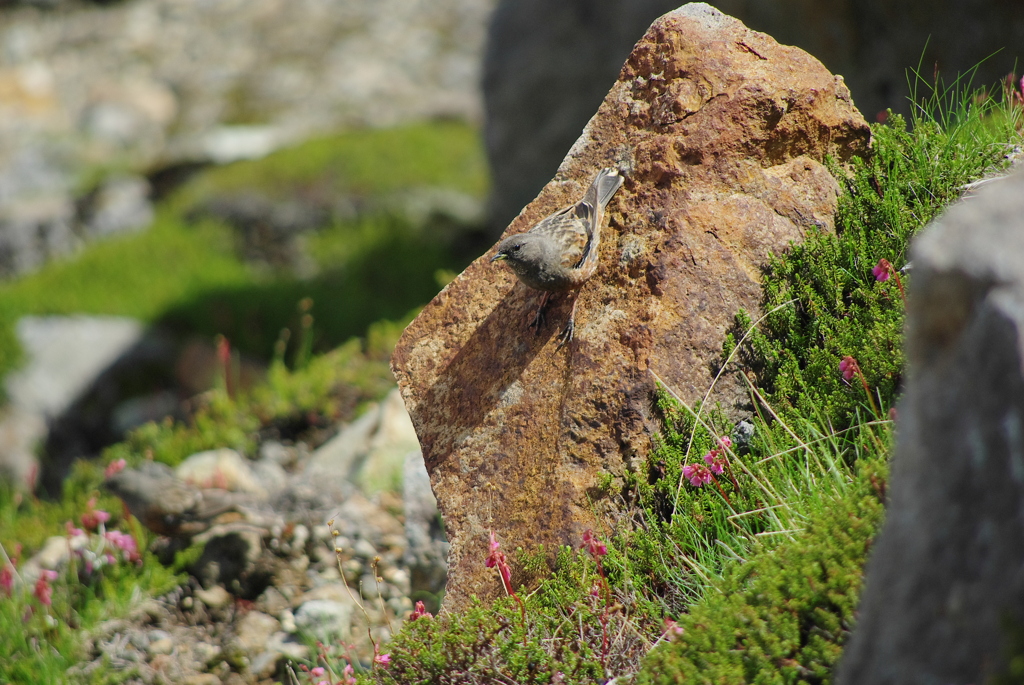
x,y
566,336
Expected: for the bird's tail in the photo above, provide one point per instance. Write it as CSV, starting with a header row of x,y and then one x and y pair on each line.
x,y
603,188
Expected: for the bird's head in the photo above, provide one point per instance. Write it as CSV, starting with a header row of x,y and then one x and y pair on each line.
x,y
520,251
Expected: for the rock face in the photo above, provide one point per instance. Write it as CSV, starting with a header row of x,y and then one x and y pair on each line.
x,y
535,111
720,132
944,592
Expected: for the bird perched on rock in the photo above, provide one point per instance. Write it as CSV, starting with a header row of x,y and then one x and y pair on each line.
x,y
167,505
560,252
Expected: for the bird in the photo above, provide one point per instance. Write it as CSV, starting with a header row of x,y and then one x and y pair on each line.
x,y
559,253
166,505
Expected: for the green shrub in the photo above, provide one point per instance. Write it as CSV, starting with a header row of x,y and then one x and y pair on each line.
x,y
783,616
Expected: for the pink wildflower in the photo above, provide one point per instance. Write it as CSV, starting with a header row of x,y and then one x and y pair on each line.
x,y
7,580
349,678
92,518
497,558
43,591
317,672
883,270
420,612
125,543
715,462
725,442
594,547
672,629
697,474
382,659
72,531
848,367
114,467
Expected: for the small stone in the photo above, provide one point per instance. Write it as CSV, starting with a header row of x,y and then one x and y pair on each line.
x,y
207,653
272,601
215,598
370,588
743,433
202,679
287,619
164,645
254,629
325,619
364,549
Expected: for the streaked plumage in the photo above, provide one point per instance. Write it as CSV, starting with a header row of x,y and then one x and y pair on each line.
x,y
560,252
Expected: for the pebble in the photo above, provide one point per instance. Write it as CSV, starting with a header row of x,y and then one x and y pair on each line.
x,y
164,645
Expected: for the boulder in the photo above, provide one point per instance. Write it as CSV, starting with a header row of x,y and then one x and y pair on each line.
x,y
944,596
721,134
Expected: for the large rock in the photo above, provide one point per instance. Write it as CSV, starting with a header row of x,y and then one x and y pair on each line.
x,y
945,593
720,132
548,63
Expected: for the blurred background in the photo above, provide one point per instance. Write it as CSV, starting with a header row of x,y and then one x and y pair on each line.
x,y
185,179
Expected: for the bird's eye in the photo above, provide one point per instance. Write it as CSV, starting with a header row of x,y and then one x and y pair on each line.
x,y
515,248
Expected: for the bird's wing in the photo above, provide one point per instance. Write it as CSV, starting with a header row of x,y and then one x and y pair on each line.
x,y
569,229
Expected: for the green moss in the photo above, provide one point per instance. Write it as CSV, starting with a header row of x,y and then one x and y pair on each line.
x,y
186,275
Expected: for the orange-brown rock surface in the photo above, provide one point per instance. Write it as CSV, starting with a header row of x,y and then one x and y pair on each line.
x,y
721,133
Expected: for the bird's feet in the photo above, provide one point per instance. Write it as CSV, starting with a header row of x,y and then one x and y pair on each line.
x,y
570,326
566,335
538,318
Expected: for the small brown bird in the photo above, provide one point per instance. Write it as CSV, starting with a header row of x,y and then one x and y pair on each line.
x,y
166,505
560,252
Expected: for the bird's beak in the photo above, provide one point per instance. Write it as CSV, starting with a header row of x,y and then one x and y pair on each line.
x,y
501,256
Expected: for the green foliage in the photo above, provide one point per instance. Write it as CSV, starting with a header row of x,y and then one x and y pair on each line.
x,y
571,632
823,299
784,616
185,274
42,643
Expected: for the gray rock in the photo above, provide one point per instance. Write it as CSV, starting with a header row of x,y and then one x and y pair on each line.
x,y
21,432
35,229
253,631
119,205
944,588
426,554
222,468
325,619
65,356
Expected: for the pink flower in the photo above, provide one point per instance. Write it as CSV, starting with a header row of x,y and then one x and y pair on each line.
x,y
7,580
317,672
882,270
382,659
114,467
72,531
348,673
672,629
848,367
43,591
125,543
92,518
697,474
725,442
715,462
497,558
420,612
595,547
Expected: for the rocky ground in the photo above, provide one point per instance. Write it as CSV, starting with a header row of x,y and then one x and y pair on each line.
x,y
333,545
145,88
